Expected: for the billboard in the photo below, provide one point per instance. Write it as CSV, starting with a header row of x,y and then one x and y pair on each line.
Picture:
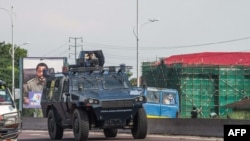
x,y
33,80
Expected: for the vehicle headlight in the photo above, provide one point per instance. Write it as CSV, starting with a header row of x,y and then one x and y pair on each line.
x,y
140,99
10,121
92,101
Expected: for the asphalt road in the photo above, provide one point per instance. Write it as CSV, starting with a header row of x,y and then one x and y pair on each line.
x,y
41,135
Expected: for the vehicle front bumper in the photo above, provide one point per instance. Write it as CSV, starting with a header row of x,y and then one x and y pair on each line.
x,y
10,126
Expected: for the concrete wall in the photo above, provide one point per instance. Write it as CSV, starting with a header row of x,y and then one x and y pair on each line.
x,y
193,127
196,127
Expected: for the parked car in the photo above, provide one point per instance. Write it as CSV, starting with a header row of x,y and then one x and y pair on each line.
x,y
9,115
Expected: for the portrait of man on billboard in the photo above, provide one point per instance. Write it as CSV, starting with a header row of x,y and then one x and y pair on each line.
x,y
34,80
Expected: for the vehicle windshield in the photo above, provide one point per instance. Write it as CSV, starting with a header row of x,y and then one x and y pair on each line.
x,y
85,84
5,97
153,96
114,82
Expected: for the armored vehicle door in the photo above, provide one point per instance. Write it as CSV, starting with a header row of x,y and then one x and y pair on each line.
x,y
57,96
60,97
65,99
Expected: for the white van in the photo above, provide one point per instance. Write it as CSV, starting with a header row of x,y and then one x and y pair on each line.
x,y
9,115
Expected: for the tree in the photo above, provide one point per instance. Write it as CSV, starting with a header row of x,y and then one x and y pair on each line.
x,y
6,62
133,81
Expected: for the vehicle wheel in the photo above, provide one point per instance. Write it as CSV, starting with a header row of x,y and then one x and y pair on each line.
x,y
109,133
80,125
139,130
55,131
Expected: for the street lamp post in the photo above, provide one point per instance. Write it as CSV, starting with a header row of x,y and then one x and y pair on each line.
x,y
12,48
11,13
137,43
13,55
13,66
137,39
137,47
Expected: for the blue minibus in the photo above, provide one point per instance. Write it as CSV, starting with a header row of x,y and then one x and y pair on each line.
x,y
161,102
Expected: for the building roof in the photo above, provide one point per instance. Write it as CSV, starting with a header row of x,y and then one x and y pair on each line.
x,y
242,104
211,58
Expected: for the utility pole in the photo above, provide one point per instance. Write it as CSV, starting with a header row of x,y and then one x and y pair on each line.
x,y
76,45
137,44
11,13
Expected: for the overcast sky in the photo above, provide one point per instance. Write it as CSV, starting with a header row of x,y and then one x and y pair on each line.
x,y
184,26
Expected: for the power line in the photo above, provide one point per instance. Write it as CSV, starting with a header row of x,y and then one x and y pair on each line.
x,y
122,56
108,46
105,46
163,47
54,50
197,45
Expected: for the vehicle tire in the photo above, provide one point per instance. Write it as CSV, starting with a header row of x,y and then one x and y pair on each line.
x,y
139,130
55,131
110,133
80,125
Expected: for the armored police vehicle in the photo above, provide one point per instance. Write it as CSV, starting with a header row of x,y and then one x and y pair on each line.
x,y
9,116
85,98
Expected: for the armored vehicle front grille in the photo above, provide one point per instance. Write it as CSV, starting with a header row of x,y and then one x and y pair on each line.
x,y
117,104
